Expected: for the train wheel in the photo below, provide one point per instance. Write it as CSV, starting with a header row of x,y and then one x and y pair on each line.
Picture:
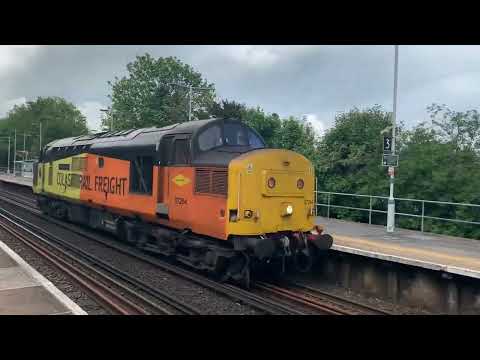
x,y
239,270
303,260
122,231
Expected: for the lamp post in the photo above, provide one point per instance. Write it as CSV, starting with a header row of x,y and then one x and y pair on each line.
x,y
14,152
190,95
40,136
24,145
391,199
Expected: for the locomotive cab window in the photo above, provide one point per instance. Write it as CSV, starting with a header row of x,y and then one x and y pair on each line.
x,y
141,175
210,138
235,134
254,140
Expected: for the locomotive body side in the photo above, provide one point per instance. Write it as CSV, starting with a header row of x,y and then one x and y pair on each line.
x,y
207,191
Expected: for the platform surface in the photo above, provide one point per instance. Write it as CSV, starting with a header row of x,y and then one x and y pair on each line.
x,y
24,291
17,180
433,251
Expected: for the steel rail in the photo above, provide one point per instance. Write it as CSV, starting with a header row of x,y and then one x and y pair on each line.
x,y
113,271
98,290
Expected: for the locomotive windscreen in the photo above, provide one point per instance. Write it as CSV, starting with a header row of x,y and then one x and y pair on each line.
x,y
229,134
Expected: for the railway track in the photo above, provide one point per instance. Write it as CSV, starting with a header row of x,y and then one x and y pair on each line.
x,y
317,301
278,299
115,290
268,306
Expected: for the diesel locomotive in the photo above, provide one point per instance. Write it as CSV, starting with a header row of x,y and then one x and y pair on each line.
x,y
208,193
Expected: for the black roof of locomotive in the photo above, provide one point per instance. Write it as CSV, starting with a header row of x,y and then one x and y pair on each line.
x,y
147,136
125,143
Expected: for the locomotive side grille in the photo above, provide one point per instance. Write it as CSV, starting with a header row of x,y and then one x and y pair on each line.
x,y
211,181
202,180
219,181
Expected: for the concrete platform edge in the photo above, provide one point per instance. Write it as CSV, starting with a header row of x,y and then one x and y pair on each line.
x,y
408,261
65,300
9,180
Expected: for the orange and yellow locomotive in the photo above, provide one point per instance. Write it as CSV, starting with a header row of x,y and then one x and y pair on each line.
x,y
207,192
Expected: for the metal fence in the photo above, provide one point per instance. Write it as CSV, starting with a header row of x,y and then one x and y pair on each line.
x,y
371,210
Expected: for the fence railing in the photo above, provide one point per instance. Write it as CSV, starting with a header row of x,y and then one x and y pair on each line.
x,y
371,210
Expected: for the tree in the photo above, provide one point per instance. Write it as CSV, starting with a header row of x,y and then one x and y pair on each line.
x,y
228,109
156,92
350,153
462,129
437,162
59,118
297,136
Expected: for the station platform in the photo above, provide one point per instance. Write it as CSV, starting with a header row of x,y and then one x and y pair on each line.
x,y
448,254
16,180
24,291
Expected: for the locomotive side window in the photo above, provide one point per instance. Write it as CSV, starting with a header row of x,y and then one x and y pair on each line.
x,y
141,175
210,138
79,164
50,174
181,152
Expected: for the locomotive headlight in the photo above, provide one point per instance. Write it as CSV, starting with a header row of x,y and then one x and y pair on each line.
x,y
300,184
289,210
271,183
286,209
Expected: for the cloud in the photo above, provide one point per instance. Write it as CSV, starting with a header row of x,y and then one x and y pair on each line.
x,y
91,110
8,105
288,80
15,56
261,56
317,124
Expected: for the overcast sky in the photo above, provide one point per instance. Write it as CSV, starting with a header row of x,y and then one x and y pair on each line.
x,y
316,81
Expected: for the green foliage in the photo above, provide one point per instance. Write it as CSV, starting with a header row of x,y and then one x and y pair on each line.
x,y
461,129
350,153
155,93
442,168
297,136
437,162
59,119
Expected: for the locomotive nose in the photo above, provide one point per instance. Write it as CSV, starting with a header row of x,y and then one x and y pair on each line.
x,y
270,190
